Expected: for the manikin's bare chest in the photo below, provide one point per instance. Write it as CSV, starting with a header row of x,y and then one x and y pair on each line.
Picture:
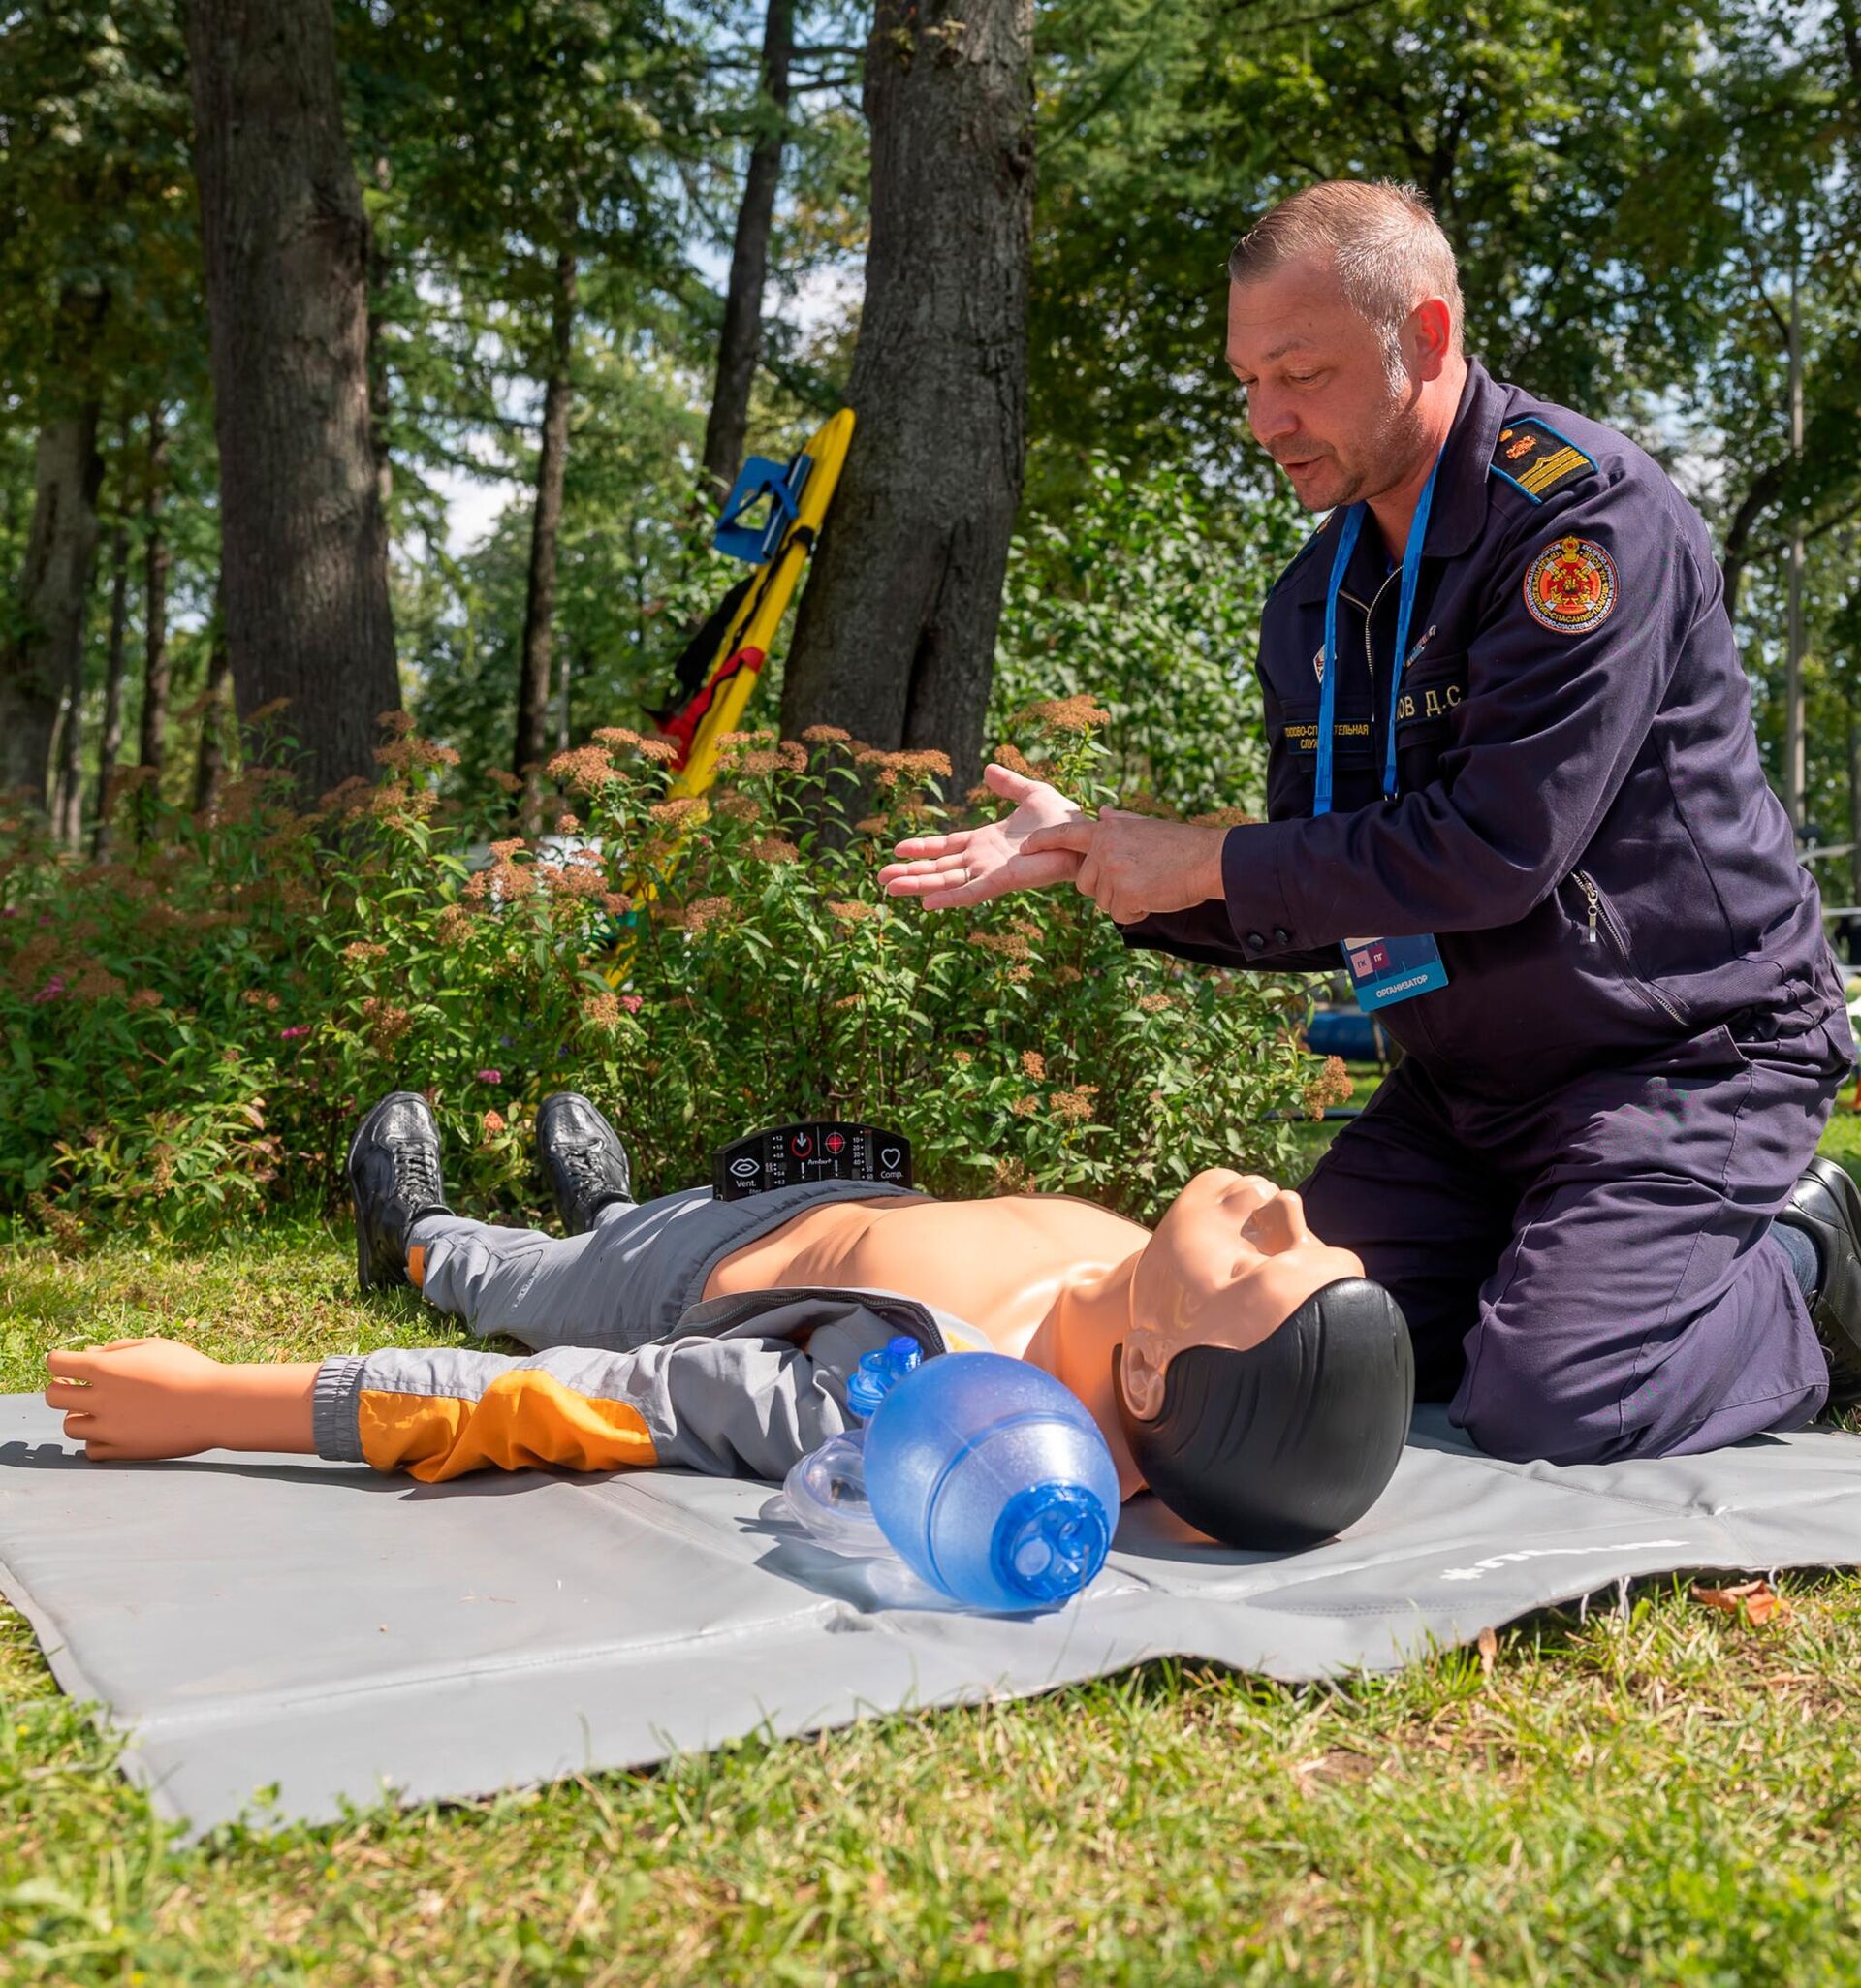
x,y
999,1264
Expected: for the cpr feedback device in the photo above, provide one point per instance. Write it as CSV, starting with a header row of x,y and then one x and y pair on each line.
x,y
818,1149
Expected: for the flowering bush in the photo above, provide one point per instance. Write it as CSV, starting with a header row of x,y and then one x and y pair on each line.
x,y
193,1029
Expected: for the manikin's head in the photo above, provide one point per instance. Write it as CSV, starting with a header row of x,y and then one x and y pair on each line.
x,y
1265,1385
1344,331
1228,1265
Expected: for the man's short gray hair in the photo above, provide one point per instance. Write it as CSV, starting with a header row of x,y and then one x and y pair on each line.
x,y
1381,237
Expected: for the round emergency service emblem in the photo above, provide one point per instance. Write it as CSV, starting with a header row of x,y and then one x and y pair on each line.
x,y
1571,585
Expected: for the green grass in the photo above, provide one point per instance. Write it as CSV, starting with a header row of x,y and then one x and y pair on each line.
x,y
1672,1795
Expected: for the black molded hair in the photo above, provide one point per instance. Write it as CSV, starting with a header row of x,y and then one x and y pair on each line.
x,y
1292,1440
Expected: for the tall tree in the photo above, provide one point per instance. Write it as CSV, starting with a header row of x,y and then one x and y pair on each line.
x,y
156,560
529,142
209,768
68,797
896,639
42,655
110,740
539,608
98,303
304,564
739,342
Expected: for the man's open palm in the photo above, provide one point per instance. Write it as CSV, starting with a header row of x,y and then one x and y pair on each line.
x,y
974,864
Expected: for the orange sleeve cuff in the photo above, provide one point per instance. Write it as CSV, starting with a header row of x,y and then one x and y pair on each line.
x,y
525,1417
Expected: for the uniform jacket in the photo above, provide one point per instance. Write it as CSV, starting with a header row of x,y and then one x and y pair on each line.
x,y
743,1387
1582,819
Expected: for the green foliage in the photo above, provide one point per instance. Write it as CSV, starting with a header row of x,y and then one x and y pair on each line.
x,y
97,203
1554,138
1141,593
192,1031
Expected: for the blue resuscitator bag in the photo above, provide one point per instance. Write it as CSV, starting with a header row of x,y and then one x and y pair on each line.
x,y
983,1475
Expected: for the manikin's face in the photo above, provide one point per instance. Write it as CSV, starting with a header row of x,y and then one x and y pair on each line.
x,y
1320,396
1229,1264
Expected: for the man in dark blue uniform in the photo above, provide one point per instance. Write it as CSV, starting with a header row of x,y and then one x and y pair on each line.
x,y
1513,785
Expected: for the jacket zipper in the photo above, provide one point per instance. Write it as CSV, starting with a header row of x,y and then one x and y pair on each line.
x,y
1596,909
1370,655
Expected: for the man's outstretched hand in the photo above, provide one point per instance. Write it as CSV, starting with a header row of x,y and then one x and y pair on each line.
x,y
1133,864
974,864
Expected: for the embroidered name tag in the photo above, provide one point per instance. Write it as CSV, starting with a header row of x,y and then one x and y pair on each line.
x,y
1305,738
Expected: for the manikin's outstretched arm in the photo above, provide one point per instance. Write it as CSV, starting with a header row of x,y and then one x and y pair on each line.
x,y
747,1407
156,1398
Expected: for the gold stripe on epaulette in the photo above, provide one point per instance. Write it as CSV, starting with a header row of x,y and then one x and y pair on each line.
x,y
1541,475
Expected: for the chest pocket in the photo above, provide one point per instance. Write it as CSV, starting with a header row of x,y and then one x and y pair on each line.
x,y
1426,717
1294,730
1292,734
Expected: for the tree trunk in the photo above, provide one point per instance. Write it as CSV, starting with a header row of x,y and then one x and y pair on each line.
x,y
379,393
539,608
1854,811
896,639
43,655
739,344
209,769
68,811
156,559
285,240
110,741
1759,495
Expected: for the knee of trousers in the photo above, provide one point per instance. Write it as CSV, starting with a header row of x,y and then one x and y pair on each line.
x,y
1513,1412
1526,1439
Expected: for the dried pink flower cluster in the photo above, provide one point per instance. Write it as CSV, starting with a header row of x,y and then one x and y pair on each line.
x,y
586,768
1071,715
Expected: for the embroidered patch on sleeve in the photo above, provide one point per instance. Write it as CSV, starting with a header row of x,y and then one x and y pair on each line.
x,y
1570,586
1537,459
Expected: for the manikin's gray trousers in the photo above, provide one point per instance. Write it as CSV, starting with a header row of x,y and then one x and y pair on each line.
x,y
627,1282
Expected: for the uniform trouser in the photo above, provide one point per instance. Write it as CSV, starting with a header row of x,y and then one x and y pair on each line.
x,y
625,1284
1589,1276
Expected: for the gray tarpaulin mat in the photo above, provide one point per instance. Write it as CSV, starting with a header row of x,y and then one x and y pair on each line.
x,y
251,1621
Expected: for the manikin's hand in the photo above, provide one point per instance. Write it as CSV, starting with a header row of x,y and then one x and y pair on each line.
x,y
1132,864
974,864
136,1397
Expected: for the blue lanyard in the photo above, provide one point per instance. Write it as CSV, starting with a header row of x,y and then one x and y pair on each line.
x,y
1353,524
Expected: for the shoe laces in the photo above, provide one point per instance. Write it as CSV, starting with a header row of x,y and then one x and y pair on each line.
x,y
417,1175
584,1168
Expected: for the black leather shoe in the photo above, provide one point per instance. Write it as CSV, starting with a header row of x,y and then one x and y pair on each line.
x,y
583,1157
394,1177
1825,1204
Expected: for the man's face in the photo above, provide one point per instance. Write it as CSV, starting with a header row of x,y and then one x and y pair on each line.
x,y
1320,399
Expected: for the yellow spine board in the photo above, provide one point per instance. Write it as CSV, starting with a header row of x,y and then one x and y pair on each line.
x,y
754,627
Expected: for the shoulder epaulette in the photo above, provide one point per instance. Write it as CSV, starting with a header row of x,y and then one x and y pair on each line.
x,y
1533,456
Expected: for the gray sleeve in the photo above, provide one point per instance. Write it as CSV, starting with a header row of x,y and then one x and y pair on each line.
x,y
333,1410
744,1407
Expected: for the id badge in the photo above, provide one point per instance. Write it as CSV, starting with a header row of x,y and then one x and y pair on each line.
x,y
1385,971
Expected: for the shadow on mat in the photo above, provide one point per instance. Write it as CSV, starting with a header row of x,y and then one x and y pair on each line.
x,y
53,1456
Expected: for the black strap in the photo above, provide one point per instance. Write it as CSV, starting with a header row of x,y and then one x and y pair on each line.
x,y
694,662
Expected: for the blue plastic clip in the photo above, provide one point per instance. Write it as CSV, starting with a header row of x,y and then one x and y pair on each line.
x,y
878,1373
759,477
